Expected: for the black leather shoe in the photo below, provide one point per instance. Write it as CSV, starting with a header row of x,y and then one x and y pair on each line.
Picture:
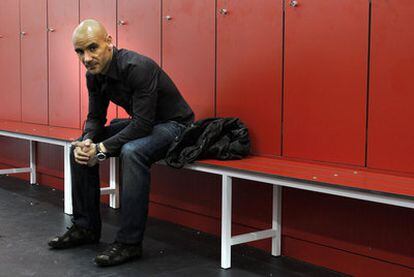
x,y
118,253
74,236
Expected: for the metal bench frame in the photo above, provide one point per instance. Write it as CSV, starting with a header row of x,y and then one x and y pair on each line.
x,y
278,182
112,190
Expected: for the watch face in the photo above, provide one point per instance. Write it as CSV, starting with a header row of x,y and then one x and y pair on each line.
x,y
101,156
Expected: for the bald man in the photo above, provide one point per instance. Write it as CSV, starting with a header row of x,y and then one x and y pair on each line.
x,y
158,114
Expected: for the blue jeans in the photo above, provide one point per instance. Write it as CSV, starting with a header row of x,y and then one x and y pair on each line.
x,y
136,158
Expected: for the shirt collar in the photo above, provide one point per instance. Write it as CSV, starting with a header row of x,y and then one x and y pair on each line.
x,y
113,66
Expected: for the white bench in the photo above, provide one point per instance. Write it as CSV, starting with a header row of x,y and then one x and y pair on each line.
x,y
34,133
334,180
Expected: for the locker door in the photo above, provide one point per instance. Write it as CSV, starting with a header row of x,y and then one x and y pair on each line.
x,y
249,68
139,29
105,12
326,52
188,51
64,92
391,96
10,97
34,61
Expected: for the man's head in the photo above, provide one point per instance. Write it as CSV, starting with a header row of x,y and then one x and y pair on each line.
x,y
93,46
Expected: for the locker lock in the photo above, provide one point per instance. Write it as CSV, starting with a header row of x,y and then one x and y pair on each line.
x,y
224,11
293,3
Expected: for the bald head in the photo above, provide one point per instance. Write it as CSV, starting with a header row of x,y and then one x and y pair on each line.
x,y
93,45
88,28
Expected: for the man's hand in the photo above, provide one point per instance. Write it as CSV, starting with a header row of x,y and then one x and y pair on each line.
x,y
85,152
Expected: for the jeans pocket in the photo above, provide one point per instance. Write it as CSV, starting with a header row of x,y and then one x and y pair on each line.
x,y
178,128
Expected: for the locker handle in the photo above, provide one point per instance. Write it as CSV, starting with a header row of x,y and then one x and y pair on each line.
x,y
121,22
168,17
224,11
51,29
22,33
293,3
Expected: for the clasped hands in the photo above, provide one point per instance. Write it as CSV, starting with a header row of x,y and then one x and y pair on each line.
x,y
85,152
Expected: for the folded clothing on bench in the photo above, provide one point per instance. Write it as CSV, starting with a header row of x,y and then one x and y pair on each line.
x,y
217,138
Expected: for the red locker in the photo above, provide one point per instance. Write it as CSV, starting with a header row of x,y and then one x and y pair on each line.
x,y
34,61
249,68
391,95
139,29
105,12
326,53
188,51
10,106
64,92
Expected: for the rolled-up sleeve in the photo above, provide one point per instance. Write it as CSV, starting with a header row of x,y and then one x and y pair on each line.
x,y
144,84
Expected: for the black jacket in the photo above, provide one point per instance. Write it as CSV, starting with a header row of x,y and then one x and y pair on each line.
x,y
217,138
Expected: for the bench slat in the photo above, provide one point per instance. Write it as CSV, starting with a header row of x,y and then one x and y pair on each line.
x,y
38,130
333,175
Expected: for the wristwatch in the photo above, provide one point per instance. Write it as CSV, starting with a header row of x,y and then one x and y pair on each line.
x,y
101,156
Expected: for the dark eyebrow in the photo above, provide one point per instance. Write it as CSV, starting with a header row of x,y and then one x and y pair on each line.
x,y
92,45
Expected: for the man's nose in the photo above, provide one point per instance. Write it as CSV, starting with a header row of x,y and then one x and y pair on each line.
x,y
87,57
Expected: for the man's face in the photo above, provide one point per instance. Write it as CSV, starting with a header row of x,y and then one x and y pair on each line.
x,y
94,51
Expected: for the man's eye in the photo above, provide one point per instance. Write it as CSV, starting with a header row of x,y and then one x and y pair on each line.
x,y
93,48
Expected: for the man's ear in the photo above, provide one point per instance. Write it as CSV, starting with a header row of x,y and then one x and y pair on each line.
x,y
109,41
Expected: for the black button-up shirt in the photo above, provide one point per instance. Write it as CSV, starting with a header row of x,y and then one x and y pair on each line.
x,y
142,88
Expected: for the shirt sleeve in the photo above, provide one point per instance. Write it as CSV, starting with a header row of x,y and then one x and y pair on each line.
x,y
144,83
98,106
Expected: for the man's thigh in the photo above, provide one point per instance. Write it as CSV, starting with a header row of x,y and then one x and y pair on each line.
x,y
154,146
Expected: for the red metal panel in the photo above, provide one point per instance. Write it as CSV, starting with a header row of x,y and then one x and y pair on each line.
x,y
249,68
34,63
189,51
10,106
377,233
391,113
139,29
326,52
105,12
64,92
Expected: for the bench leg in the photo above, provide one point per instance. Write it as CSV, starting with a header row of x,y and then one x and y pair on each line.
x,y
114,183
67,180
226,222
277,220
32,146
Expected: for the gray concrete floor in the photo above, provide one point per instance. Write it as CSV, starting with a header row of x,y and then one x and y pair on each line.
x,y
30,215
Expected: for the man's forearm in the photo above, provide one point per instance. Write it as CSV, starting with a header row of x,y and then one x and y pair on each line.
x,y
102,147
